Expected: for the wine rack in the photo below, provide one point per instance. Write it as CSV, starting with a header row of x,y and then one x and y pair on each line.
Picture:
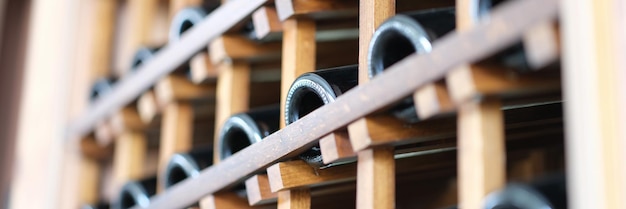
x,y
481,124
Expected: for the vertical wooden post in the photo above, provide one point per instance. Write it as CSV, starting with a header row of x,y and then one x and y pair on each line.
x,y
176,133
102,30
376,178
89,179
376,166
232,96
594,88
482,156
129,157
298,55
298,58
294,199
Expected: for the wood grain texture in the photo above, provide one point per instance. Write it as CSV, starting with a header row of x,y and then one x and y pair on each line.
x,y
225,200
481,158
593,48
104,133
315,9
174,88
432,100
240,48
376,178
401,81
165,61
294,199
102,32
202,69
385,129
129,157
297,173
298,55
176,134
233,96
542,45
91,149
266,22
336,146
148,108
258,190
472,81
127,119
372,13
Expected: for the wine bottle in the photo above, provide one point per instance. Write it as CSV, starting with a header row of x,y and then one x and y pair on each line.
x,y
313,90
142,55
549,192
136,193
101,87
513,57
187,165
401,36
243,129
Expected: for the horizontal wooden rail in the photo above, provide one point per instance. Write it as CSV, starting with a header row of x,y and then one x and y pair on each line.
x,y
165,61
507,25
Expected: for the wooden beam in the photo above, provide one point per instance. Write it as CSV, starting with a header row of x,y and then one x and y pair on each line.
x,y
148,108
384,129
432,100
127,119
481,159
129,157
175,88
258,190
315,9
542,45
400,81
226,200
295,174
298,55
336,146
104,133
266,23
594,88
240,48
202,69
294,199
376,178
233,96
176,133
93,150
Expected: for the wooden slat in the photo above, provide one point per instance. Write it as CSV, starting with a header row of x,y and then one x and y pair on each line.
x,y
127,119
594,88
142,15
240,48
227,200
336,146
233,96
176,134
481,158
400,81
104,133
177,5
376,178
432,100
384,129
298,55
266,22
542,45
148,108
175,88
315,9
202,69
258,190
294,199
165,61
297,173
129,157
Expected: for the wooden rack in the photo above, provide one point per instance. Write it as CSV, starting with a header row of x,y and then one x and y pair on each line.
x,y
345,129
